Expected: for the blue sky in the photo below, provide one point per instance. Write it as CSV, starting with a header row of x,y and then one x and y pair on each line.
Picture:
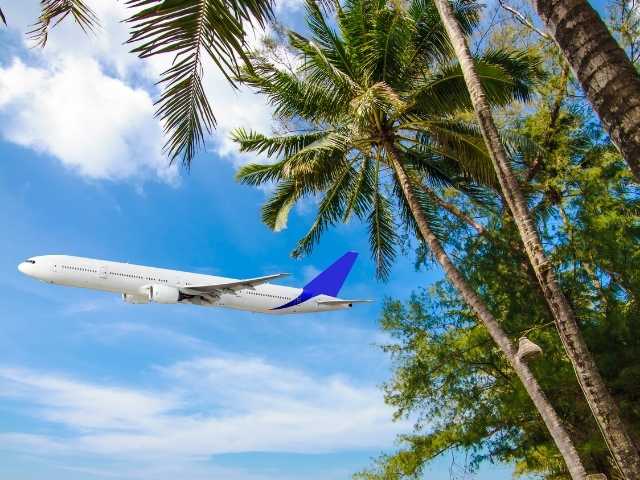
x,y
92,388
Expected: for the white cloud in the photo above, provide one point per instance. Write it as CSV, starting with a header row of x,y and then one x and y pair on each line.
x,y
234,109
88,101
206,406
107,44
94,124
112,333
241,107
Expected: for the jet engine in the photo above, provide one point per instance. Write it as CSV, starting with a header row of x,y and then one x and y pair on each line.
x,y
129,298
164,294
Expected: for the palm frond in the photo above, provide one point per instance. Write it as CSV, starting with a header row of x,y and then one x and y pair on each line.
x,y
437,170
275,211
279,145
319,69
52,12
430,43
467,12
382,235
425,204
361,195
2,17
479,194
292,96
459,141
256,174
522,66
333,147
383,238
328,39
354,23
191,29
505,75
312,167
379,97
330,210
389,44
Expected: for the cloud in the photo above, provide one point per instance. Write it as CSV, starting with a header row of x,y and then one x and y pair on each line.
x,y
241,107
234,109
202,407
114,332
94,124
107,44
86,100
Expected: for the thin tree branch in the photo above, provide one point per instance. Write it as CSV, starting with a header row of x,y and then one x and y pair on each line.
x,y
455,211
524,20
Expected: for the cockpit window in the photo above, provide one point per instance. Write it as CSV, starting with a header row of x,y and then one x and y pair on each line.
x,y
30,261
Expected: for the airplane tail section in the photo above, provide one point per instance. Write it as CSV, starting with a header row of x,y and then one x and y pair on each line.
x,y
330,281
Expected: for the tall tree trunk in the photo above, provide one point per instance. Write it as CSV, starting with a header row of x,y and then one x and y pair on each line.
x,y
598,397
540,400
602,67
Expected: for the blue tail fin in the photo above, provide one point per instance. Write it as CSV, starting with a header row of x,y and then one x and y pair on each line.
x,y
330,281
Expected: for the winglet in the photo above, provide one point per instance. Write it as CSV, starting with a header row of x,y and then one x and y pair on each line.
x,y
330,281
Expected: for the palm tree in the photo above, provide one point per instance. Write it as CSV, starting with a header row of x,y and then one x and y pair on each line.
x,y
598,397
604,70
375,104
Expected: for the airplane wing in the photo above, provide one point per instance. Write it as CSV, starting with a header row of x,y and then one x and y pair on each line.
x,y
229,287
342,302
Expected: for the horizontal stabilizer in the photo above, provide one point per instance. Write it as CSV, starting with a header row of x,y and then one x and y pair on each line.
x,y
231,286
342,302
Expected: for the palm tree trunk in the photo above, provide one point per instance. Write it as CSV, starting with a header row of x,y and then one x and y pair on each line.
x,y
540,400
602,67
598,397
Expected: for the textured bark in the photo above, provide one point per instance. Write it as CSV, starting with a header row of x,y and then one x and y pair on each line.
x,y
602,67
600,401
540,400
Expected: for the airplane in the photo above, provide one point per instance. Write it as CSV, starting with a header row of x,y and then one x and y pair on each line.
x,y
139,284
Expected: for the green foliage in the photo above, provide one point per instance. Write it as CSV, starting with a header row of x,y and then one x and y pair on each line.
x,y
384,79
449,376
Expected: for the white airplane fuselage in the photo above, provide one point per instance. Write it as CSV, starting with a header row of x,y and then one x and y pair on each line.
x,y
142,284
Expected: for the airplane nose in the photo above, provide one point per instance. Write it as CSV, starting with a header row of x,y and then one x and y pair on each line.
x,y
22,267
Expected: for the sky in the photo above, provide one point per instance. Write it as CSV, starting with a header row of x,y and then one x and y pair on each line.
x,y
92,388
